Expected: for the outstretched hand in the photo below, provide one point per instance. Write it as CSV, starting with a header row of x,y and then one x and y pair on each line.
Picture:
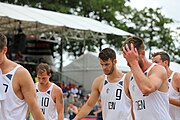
x,y
130,54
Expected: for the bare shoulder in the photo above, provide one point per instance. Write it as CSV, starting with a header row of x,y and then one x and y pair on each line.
x,y
21,71
57,89
22,74
176,78
158,70
99,78
24,86
98,82
177,75
57,95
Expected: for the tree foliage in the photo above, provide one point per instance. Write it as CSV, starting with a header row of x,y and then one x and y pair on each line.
x,y
148,23
151,25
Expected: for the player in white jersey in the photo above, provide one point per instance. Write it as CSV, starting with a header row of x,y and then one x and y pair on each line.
x,y
163,59
147,83
114,100
109,87
49,95
18,87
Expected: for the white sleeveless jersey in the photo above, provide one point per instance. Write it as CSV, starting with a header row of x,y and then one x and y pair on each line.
x,y
46,103
174,111
115,104
12,107
155,106
2,93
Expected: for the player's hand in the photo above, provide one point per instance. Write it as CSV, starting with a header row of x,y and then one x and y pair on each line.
x,y
130,54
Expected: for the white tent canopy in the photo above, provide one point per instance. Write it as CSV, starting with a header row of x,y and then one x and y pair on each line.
x,y
13,16
86,68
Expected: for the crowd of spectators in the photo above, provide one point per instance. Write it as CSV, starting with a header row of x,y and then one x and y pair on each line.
x,y
74,98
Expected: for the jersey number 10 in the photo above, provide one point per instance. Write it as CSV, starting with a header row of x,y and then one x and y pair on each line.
x,y
45,101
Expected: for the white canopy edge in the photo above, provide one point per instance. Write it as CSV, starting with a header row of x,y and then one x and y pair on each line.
x,y
54,19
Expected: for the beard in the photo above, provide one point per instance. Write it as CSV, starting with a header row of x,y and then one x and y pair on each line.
x,y
111,71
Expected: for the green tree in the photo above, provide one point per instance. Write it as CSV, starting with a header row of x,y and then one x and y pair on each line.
x,y
148,23
151,25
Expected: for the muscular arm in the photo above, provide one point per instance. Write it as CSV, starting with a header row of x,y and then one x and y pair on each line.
x,y
28,92
146,84
151,83
87,107
176,86
59,102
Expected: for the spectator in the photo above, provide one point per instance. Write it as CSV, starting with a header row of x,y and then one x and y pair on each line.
x,y
72,110
81,92
74,90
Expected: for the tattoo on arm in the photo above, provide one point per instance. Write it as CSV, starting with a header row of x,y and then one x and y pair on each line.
x,y
61,99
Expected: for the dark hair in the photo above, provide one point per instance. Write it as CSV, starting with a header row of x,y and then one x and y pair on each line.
x,y
3,41
107,53
137,42
42,67
164,56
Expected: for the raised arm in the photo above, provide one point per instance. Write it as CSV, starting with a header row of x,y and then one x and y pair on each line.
x,y
147,84
151,83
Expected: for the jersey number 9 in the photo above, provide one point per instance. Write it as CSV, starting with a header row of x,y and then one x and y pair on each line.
x,y
118,94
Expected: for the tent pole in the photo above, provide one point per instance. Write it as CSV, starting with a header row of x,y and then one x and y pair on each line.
x,y
61,57
100,44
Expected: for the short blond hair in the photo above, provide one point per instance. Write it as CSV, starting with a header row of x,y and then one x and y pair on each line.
x,y
43,67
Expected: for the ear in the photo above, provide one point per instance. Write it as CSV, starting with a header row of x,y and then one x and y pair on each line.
x,y
115,61
5,50
50,75
142,52
166,62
